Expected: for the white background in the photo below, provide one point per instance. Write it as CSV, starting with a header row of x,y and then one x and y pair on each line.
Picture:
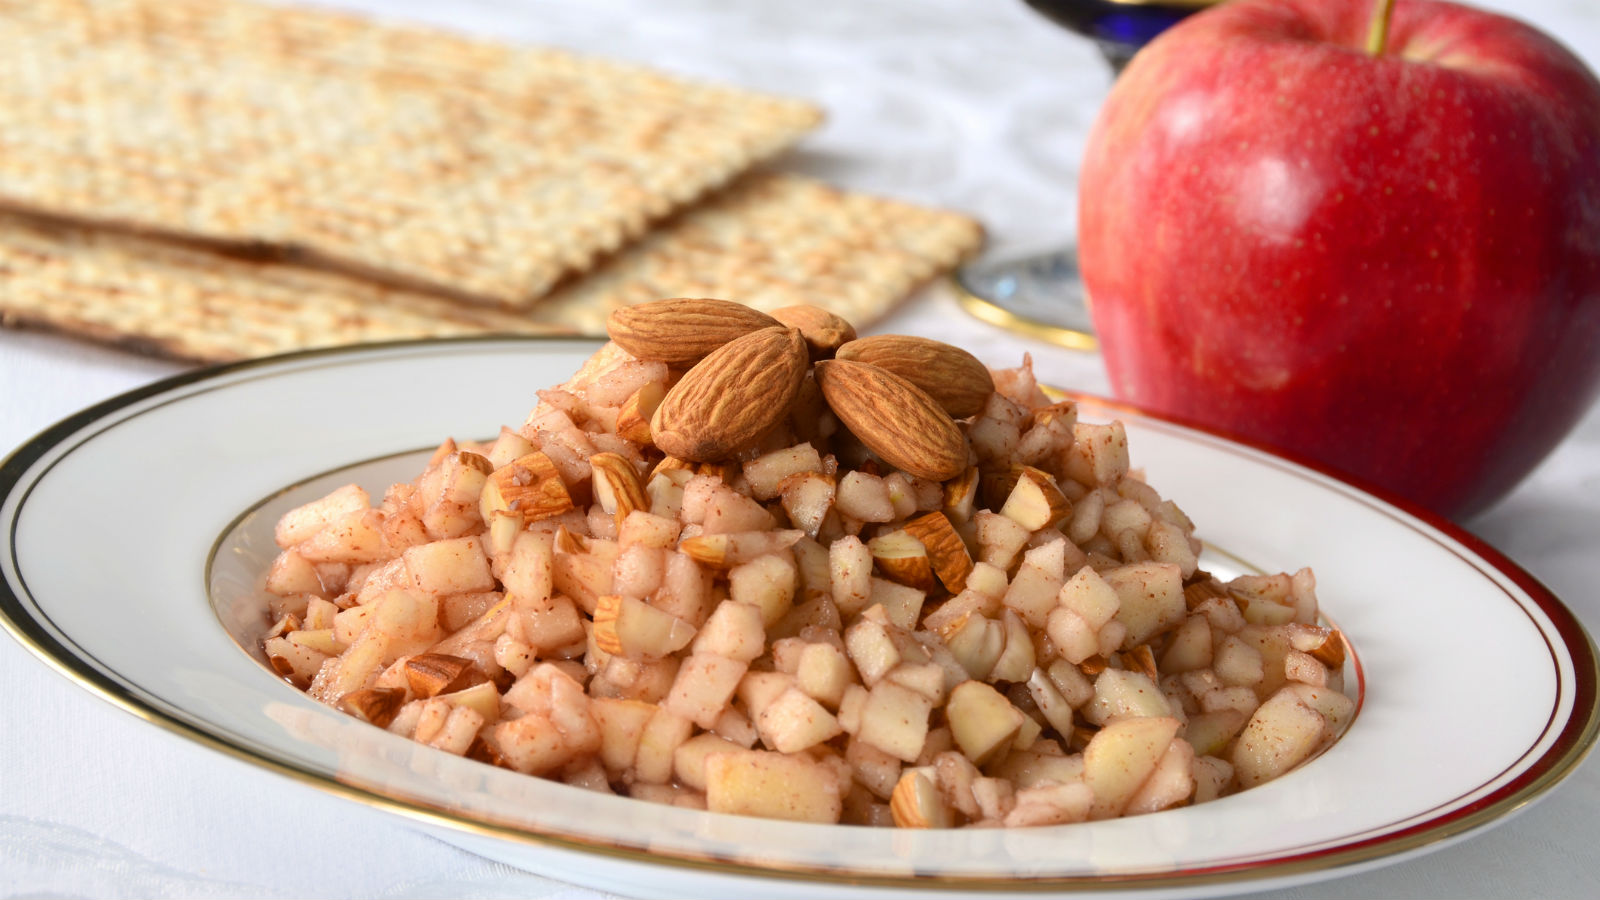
x,y
977,105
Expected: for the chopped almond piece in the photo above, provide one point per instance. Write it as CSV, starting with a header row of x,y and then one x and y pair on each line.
x,y
947,552
375,705
437,673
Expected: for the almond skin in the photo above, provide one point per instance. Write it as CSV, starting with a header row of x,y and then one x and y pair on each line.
x,y
732,397
959,381
824,332
895,419
681,332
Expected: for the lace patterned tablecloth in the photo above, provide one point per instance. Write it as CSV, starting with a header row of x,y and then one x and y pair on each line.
x,y
980,106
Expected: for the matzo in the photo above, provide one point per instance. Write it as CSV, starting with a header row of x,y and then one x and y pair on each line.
x,y
770,241
403,153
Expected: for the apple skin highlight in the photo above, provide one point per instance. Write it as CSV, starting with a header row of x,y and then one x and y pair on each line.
x,y
1387,264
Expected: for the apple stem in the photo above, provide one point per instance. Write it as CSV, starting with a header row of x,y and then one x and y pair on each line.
x,y
1378,34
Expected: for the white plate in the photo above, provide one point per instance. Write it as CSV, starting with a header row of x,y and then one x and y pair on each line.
x,y
1479,687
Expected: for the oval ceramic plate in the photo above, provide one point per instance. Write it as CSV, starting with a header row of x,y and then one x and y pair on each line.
x,y
172,491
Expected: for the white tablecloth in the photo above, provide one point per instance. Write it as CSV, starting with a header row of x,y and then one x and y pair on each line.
x,y
977,106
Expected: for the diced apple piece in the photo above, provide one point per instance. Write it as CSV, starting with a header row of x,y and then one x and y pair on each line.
x,y
730,512
1125,515
735,630
663,734
1335,708
968,601
824,672
1121,756
643,528
1169,543
850,562
1190,647
354,538
1052,803
291,573
901,603
1055,708
1304,669
1212,778
850,707
1016,661
895,720
976,643
1074,685
1210,732
689,760
1119,693
1149,599
449,566
530,744
772,785
864,497
1087,594
638,571
982,721
1282,733
451,499
808,498
728,550
1273,643
766,473
989,581
1074,638
481,698
757,689
1099,453
1031,768
999,538
793,721
927,679
1238,697
736,727
302,522
1237,663
765,583
627,626
507,447
1033,590
321,640
549,625
704,685
871,649
1171,784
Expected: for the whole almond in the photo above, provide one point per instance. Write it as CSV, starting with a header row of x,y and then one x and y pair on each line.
x,y
824,332
680,332
731,398
952,376
895,419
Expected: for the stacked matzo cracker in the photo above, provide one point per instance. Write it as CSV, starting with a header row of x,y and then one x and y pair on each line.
x,y
217,180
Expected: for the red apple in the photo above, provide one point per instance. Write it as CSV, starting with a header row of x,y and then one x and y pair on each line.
x,y
1388,263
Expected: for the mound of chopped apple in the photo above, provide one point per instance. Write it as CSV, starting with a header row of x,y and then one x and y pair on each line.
x,y
802,630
